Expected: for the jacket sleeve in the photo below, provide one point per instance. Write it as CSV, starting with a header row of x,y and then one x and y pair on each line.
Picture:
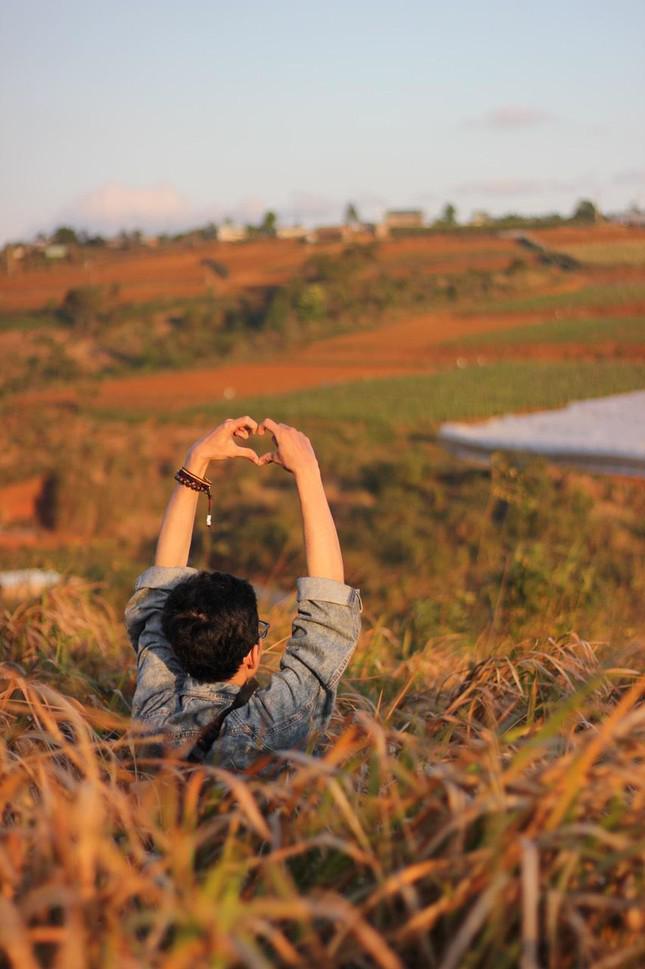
x,y
301,695
157,666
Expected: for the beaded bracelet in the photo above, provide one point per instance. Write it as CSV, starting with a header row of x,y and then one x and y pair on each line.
x,y
190,480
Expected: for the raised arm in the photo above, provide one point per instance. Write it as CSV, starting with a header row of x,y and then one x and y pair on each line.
x,y
176,531
294,452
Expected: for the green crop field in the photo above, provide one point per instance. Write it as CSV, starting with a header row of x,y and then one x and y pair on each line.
x,y
628,330
609,294
457,394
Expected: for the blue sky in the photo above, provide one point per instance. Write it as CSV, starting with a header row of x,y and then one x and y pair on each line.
x,y
158,114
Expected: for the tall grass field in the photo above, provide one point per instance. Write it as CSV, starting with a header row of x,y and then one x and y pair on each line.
x,y
479,808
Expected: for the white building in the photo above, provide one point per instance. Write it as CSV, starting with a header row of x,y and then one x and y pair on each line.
x,y
230,232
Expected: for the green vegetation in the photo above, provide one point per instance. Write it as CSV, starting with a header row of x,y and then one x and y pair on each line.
x,y
27,322
88,309
460,394
606,295
586,212
622,329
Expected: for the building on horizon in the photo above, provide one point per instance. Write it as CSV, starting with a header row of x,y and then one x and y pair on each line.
x,y
330,233
399,220
404,219
480,218
230,232
292,232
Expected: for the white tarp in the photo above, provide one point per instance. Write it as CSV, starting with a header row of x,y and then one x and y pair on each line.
x,y
605,434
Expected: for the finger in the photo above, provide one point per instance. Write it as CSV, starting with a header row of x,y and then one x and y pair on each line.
x,y
270,425
271,457
247,423
248,453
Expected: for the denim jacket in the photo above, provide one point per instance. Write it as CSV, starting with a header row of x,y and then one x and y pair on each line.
x,y
298,699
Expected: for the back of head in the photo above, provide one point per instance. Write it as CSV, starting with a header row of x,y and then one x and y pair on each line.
x,y
211,622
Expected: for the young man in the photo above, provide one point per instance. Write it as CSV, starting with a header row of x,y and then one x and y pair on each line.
x,y
197,634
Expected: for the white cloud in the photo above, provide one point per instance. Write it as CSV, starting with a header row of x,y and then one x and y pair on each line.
x,y
509,117
153,208
116,206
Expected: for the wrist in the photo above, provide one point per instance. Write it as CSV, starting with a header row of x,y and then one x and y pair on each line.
x,y
195,462
308,474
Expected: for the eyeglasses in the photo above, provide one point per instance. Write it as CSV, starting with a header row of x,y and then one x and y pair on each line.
x,y
263,628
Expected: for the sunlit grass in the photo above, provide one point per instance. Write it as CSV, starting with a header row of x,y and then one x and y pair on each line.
x,y
463,807
628,330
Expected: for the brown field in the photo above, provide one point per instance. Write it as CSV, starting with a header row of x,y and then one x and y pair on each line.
x,y
402,345
605,233
177,271
155,274
406,346
151,274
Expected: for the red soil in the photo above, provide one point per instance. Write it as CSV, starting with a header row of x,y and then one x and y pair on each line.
x,y
18,501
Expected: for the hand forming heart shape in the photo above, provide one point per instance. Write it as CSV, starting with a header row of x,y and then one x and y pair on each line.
x,y
292,449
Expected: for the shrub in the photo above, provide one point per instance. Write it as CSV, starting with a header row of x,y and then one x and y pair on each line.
x,y
87,308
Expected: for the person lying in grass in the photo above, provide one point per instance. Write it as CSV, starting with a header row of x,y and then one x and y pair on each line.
x,y
197,635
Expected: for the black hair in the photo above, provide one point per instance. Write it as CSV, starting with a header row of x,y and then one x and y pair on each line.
x,y
211,622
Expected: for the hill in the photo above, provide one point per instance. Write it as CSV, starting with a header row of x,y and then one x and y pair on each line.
x,y
478,799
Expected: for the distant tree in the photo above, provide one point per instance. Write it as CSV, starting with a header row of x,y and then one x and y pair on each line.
x,y
85,239
586,211
269,223
65,236
351,214
209,231
449,214
130,240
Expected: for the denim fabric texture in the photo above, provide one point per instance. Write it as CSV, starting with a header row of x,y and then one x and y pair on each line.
x,y
297,701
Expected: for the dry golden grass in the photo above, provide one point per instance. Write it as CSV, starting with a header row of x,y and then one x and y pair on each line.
x,y
467,810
